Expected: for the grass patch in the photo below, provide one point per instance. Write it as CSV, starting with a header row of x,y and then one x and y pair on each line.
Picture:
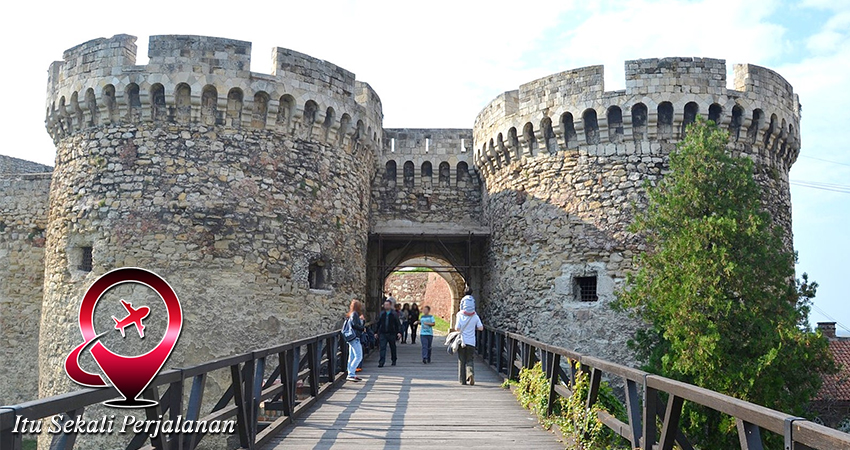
x,y
30,444
442,325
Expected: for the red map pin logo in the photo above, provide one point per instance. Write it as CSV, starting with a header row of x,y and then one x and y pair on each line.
x,y
129,374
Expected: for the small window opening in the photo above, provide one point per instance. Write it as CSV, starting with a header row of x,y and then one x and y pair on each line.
x,y
318,277
392,145
586,289
85,259
427,144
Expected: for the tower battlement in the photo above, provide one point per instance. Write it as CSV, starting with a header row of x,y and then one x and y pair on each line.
x,y
572,110
208,81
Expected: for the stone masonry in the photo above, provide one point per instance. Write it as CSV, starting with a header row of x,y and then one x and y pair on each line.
x,y
259,196
564,164
23,220
424,289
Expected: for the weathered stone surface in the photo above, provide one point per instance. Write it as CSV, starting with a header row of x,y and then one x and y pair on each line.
x,y
565,164
23,219
236,186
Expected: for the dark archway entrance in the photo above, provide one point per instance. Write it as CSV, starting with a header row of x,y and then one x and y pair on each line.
x,y
457,258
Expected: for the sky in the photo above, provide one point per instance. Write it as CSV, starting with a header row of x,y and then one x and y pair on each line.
x,y
436,64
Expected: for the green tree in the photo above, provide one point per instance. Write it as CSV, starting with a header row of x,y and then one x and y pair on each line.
x,y
716,290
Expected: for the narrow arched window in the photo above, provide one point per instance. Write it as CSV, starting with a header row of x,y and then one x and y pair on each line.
x,y
665,120
209,105
408,174
91,105
183,103
591,126
615,124
390,173
462,172
329,121
344,124
753,130
639,115
111,103
690,116
134,103
770,129
426,173
513,141
549,135
530,140
310,109
261,110
737,122
568,129
234,107
500,145
715,113
77,111
445,174
285,109
159,110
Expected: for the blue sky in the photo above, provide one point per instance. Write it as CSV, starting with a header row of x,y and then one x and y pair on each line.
x,y
436,64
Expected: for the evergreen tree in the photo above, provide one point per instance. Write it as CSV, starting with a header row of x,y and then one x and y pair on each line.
x,y
716,290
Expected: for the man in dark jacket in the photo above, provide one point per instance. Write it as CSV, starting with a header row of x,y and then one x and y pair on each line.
x,y
387,332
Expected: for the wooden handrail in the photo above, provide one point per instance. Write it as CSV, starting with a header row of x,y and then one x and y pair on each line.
x,y
506,350
305,359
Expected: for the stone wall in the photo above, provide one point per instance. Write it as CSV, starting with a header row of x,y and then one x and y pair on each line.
x,y
9,165
425,178
23,220
422,288
248,193
564,164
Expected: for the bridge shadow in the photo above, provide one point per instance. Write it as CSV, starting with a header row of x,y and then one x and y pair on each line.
x,y
414,405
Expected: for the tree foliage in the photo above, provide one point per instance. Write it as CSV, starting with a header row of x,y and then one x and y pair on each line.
x,y
717,291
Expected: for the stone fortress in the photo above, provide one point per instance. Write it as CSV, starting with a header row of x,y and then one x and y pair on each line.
x,y
268,201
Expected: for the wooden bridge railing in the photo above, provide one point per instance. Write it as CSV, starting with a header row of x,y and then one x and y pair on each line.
x,y
508,352
315,362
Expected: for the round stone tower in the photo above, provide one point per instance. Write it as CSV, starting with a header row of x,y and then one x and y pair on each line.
x,y
248,193
564,161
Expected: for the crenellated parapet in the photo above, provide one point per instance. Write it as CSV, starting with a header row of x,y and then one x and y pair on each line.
x,y
571,111
208,81
425,178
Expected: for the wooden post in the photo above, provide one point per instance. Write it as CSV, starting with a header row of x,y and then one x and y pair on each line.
x,y
650,431
554,379
671,423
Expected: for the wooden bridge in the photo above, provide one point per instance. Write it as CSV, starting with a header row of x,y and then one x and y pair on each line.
x,y
411,405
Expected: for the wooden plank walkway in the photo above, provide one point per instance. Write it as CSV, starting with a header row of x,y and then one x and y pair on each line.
x,y
417,406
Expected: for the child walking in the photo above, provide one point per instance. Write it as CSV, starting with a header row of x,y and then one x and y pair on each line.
x,y
426,335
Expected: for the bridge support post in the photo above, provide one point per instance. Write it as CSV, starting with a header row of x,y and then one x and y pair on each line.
x,y
554,379
513,372
671,422
650,430
633,409
749,435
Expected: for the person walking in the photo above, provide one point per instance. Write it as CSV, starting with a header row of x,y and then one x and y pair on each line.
x,y
387,332
404,315
352,331
467,324
413,320
427,334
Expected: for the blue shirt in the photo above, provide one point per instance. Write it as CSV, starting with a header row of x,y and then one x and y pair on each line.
x,y
427,330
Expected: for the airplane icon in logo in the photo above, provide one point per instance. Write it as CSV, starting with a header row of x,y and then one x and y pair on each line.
x,y
134,317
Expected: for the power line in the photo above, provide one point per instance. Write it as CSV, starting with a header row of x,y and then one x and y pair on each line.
x,y
843,189
825,160
830,317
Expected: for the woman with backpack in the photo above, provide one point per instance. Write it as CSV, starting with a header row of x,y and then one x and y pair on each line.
x,y
351,332
413,320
